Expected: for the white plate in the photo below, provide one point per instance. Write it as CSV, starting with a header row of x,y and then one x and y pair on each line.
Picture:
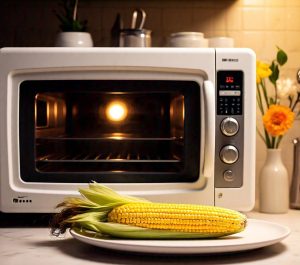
x,y
257,234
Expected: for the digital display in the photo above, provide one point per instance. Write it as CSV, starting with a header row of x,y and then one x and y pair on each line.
x,y
229,79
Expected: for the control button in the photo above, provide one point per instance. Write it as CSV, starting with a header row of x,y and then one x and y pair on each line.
x,y
229,154
229,126
228,175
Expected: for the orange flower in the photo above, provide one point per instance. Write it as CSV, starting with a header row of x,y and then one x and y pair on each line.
x,y
278,119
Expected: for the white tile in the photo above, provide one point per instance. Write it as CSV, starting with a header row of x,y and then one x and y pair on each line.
x,y
294,60
274,39
253,2
293,41
293,18
254,18
234,18
203,19
276,2
275,18
293,3
238,38
254,40
219,20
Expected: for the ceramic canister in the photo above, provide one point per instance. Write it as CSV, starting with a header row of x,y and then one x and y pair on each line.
x,y
188,39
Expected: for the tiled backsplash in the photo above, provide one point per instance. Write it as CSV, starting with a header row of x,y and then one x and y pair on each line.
x,y
257,24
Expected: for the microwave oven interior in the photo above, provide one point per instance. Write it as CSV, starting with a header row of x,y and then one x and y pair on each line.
x,y
109,131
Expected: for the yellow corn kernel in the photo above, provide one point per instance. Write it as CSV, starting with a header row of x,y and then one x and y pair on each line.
x,y
179,217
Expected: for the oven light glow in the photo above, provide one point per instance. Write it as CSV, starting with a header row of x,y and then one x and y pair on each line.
x,y
116,111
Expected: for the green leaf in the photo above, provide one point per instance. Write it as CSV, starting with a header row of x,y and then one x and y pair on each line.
x,y
281,57
101,189
275,73
65,16
92,228
104,196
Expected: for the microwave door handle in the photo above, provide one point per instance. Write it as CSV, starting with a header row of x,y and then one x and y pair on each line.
x,y
209,129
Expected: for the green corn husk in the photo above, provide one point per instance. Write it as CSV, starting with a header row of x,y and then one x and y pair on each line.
x,y
88,215
94,228
90,209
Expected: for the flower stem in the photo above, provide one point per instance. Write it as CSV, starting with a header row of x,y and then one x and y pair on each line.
x,y
268,142
259,100
276,93
260,135
75,10
278,141
265,93
296,102
273,142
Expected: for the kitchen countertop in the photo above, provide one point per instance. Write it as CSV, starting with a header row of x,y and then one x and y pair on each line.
x,y
32,244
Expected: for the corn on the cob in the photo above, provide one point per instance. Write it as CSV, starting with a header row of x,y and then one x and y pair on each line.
x,y
179,217
104,211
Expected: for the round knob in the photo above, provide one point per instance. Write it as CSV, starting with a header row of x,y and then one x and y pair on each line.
x,y
229,126
229,154
228,175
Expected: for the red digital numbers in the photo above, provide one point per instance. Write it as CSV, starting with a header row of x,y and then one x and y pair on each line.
x,y
229,79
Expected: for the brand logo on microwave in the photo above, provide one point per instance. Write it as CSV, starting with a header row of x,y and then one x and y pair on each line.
x,y
22,199
235,60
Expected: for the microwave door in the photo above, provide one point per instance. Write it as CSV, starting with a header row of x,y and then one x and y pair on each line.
x,y
110,131
209,130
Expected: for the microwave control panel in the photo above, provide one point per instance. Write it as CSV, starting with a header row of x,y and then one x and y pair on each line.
x,y
229,92
229,129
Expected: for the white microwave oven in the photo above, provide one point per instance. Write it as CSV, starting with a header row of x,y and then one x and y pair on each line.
x,y
166,124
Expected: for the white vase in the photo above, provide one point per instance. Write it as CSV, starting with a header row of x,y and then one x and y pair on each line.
x,y
74,39
274,184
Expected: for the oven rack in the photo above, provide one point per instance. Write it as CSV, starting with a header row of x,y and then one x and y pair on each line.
x,y
108,138
108,157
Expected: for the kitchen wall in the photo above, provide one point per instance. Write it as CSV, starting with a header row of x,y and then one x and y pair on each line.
x,y
258,24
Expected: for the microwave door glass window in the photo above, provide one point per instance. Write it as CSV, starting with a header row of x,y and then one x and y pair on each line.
x,y
110,131
41,113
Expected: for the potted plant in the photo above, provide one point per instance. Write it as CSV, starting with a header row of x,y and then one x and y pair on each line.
x,y
73,30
